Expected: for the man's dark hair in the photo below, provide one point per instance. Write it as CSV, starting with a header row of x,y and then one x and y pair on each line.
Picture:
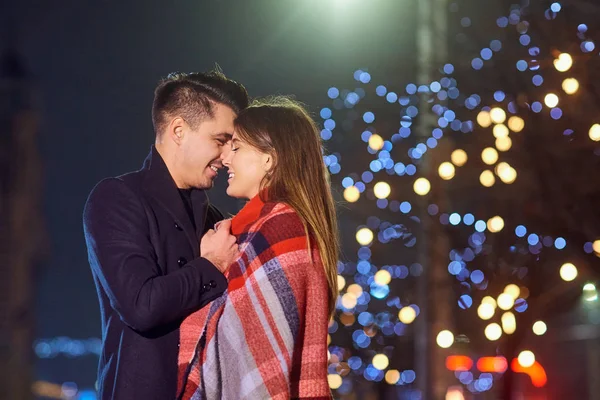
x,y
192,96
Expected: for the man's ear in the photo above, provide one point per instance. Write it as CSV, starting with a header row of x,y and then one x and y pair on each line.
x,y
176,130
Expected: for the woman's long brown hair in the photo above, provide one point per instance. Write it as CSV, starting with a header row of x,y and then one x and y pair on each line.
x,y
282,128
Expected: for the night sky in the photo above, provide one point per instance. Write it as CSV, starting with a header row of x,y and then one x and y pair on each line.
x,y
96,65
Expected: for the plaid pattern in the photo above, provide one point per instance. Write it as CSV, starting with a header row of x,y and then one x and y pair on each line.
x,y
266,336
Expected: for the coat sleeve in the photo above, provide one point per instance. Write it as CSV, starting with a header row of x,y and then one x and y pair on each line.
x,y
123,260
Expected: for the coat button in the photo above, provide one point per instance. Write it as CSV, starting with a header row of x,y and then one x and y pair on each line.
x,y
178,227
182,261
207,287
213,284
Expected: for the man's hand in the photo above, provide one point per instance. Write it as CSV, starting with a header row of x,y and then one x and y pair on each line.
x,y
219,247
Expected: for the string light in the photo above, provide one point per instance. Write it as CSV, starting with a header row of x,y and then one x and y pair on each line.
x,y
459,157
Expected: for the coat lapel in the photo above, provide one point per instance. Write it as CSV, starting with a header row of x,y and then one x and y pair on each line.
x,y
159,184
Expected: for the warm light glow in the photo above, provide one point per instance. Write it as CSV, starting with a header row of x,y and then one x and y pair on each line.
x,y
487,178
504,143
351,194
509,323
484,119
526,359
486,311
355,289
376,142
382,190
516,124
493,332
536,372
505,301
459,157
539,328
349,300
596,246
455,393
500,131
407,315
459,363
495,224
492,364
570,85
564,62
392,376
341,281
595,132
364,236
568,272
445,339
507,175
489,300
422,186
382,277
551,100
513,290
489,155
381,361
335,381
446,171
497,115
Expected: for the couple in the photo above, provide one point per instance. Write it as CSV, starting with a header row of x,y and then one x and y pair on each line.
x,y
195,306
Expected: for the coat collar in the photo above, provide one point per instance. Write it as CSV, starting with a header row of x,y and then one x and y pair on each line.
x,y
159,183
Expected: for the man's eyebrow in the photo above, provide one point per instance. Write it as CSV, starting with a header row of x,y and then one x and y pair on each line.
x,y
223,135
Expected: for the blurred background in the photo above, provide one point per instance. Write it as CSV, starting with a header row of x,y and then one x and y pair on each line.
x,y
463,141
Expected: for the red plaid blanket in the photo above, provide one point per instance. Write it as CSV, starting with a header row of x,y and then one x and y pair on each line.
x,y
266,337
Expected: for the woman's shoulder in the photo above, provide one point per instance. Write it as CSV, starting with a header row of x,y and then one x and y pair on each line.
x,y
280,220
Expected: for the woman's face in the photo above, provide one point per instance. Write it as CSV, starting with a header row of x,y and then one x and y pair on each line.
x,y
246,167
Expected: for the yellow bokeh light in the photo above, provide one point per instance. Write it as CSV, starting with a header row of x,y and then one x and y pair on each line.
x,y
500,131
568,272
380,361
497,115
484,119
489,300
564,62
335,381
509,323
341,281
595,132
596,246
526,358
382,190
495,224
493,332
347,319
376,142
459,157
364,236
505,301
504,143
539,328
392,376
355,289
349,300
516,124
445,339
382,277
407,315
507,175
422,186
489,155
351,194
551,100
513,290
485,311
487,178
570,85
446,171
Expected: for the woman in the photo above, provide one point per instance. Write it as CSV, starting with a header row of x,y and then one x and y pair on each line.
x,y
266,337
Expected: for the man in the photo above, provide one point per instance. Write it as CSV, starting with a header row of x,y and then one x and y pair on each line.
x,y
143,232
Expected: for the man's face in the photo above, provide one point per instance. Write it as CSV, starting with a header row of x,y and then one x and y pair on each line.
x,y
201,150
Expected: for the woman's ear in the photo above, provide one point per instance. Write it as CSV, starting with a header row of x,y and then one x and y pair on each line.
x,y
267,163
